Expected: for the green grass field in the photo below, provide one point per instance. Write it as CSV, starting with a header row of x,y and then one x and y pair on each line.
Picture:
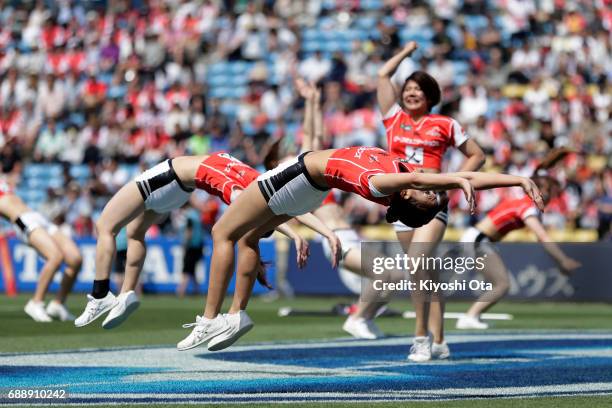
x,y
159,320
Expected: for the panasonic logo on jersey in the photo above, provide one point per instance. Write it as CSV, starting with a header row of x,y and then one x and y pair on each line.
x,y
416,142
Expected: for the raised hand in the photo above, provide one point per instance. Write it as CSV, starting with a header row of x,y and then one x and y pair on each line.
x,y
306,90
410,47
532,190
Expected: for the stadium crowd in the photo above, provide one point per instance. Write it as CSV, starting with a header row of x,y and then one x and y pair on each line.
x,y
115,86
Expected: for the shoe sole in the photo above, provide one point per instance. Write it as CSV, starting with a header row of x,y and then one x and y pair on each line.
x,y
207,339
225,343
204,340
98,316
116,321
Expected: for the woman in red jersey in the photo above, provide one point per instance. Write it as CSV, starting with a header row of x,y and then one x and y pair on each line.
x,y
300,186
509,215
145,201
359,324
422,138
53,245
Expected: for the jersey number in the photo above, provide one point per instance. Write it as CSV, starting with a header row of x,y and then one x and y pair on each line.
x,y
414,155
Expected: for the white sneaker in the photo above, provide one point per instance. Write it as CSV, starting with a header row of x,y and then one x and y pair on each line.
x,y
440,351
203,330
420,350
240,323
59,311
36,310
126,304
467,322
361,328
95,308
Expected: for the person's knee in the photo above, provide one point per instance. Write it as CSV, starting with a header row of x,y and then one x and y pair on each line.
x,y
74,261
502,286
105,228
55,259
220,234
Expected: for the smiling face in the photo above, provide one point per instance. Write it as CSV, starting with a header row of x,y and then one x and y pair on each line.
x,y
414,98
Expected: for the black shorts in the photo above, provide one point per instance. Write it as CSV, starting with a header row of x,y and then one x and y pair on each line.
x,y
190,259
120,259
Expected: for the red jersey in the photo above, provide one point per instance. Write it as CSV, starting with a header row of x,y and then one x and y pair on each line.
x,y
220,173
511,213
350,169
422,143
330,198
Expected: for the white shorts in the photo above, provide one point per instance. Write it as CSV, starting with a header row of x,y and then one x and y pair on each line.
x,y
28,222
289,189
442,215
161,189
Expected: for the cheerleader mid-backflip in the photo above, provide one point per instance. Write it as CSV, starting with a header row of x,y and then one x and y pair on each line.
x,y
142,202
300,186
53,245
509,215
359,324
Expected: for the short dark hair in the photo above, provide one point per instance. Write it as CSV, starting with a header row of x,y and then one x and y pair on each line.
x,y
412,213
428,85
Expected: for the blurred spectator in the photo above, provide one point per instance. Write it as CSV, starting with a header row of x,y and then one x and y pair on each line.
x,y
50,143
315,67
193,238
137,82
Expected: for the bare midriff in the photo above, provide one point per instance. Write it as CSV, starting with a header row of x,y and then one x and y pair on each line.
x,y
11,207
316,162
186,168
487,227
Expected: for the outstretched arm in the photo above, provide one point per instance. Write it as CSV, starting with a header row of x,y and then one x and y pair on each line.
x,y
567,264
306,91
393,183
552,158
484,181
386,94
319,130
